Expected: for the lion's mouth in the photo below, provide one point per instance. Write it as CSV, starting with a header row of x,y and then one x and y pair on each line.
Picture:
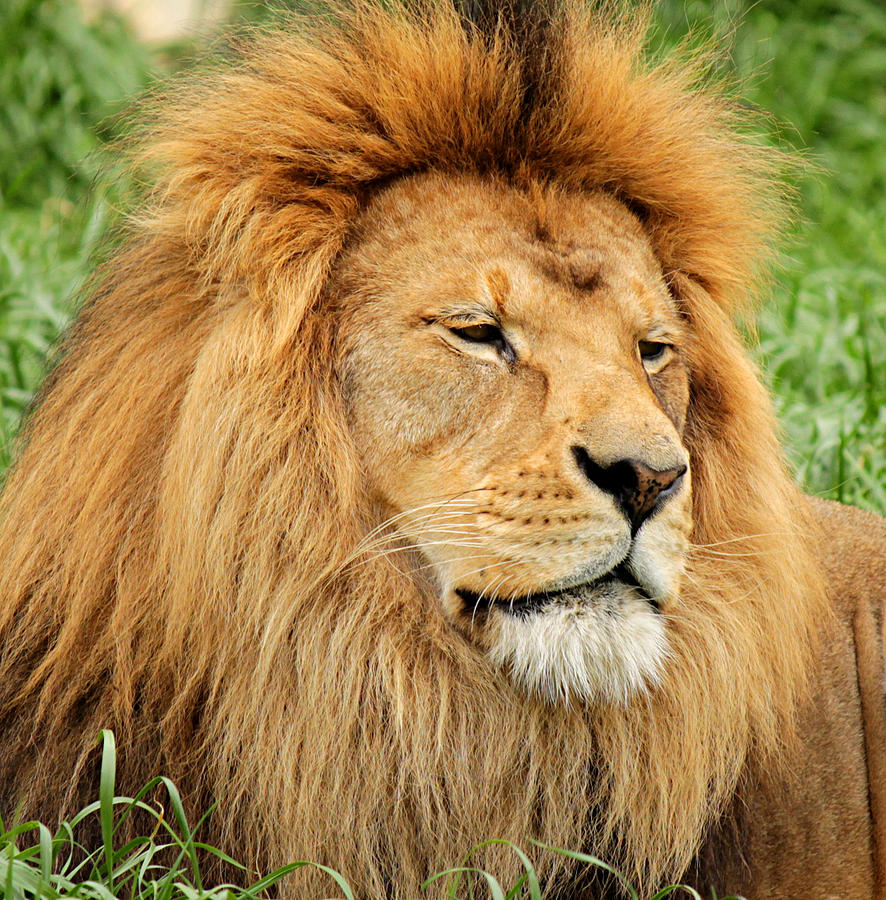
x,y
617,579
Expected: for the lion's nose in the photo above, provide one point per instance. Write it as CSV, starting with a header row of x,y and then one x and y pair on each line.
x,y
637,488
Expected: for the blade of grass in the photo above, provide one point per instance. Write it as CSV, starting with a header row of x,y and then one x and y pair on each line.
x,y
529,869
106,800
46,855
593,861
495,889
182,819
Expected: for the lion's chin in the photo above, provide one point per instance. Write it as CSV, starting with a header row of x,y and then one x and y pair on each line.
x,y
602,644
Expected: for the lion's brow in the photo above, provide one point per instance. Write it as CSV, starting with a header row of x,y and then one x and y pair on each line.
x,y
572,266
499,286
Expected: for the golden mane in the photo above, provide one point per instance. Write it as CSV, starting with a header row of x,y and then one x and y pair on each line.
x,y
178,535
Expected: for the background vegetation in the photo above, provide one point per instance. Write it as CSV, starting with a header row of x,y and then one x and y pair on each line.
x,y
818,67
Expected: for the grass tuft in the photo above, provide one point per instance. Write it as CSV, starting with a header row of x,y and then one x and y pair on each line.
x,y
165,863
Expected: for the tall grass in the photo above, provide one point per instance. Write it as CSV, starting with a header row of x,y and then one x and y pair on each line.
x,y
161,865
61,82
819,68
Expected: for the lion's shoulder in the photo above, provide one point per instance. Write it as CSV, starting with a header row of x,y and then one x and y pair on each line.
x,y
854,554
828,801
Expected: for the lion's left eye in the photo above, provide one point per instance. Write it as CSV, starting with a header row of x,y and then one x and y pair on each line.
x,y
652,351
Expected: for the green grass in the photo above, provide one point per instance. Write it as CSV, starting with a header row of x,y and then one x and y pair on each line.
x,y
61,83
163,865
36,864
820,69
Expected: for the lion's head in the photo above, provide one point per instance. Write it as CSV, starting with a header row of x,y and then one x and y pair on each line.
x,y
513,372
403,483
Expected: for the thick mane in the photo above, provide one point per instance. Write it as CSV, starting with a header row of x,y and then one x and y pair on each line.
x,y
181,534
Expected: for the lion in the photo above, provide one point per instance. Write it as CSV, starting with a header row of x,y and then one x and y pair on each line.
x,y
404,482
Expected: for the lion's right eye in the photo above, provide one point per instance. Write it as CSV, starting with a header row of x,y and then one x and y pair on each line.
x,y
488,334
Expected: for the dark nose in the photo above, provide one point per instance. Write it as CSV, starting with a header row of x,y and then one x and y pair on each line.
x,y
637,489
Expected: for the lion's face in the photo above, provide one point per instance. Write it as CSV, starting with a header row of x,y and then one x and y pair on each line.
x,y
514,378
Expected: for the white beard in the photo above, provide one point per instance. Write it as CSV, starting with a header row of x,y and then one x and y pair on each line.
x,y
603,649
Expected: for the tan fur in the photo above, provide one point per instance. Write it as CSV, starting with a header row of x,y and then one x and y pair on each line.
x,y
182,533
817,827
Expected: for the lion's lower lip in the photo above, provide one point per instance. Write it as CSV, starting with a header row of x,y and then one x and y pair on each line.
x,y
533,603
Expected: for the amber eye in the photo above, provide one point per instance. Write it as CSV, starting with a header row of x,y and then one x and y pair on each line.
x,y
483,333
489,334
652,351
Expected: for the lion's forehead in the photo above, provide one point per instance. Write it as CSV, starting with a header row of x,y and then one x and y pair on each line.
x,y
552,259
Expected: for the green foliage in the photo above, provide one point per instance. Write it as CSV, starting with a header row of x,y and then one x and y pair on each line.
x,y
45,252
59,79
820,68
162,865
